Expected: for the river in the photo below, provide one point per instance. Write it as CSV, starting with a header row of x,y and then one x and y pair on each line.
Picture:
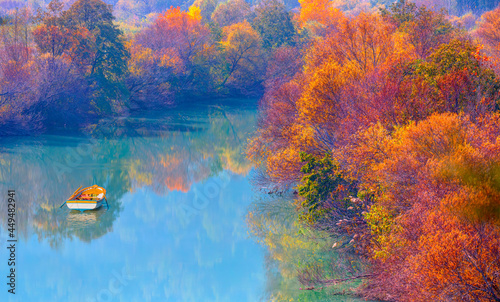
x,y
178,187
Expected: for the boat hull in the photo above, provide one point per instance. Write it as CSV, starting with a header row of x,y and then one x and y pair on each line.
x,y
90,198
84,205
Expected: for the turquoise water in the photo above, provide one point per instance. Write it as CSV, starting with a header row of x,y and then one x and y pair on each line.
x,y
178,190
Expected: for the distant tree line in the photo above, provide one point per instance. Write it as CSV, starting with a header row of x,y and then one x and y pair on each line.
x,y
69,67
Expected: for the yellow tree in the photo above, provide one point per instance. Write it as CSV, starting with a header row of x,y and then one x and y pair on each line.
x,y
206,7
318,15
242,56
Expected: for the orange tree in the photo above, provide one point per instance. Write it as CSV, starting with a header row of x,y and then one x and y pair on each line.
x,y
436,184
377,92
170,56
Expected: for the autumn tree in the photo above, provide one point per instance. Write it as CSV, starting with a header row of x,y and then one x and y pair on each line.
x,y
318,16
53,39
16,54
426,29
207,7
426,181
45,91
85,37
397,108
17,74
242,56
173,54
369,65
180,31
285,62
464,82
489,27
320,95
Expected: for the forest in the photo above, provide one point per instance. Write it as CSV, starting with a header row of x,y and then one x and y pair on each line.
x,y
65,65
385,128
379,125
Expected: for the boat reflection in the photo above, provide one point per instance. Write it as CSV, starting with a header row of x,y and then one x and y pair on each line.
x,y
79,219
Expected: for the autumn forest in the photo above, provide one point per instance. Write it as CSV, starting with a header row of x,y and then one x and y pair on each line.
x,y
378,132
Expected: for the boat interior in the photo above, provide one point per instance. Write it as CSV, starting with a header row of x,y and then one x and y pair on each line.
x,y
86,196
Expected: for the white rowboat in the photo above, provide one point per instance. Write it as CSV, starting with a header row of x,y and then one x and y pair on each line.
x,y
90,198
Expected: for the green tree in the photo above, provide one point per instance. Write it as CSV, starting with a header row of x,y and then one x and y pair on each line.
x,y
85,39
274,23
108,56
326,191
231,12
460,79
400,12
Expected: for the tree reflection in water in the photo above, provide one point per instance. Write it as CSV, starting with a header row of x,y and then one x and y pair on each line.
x,y
297,253
168,151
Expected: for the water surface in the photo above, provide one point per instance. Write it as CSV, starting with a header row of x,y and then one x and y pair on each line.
x,y
178,190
